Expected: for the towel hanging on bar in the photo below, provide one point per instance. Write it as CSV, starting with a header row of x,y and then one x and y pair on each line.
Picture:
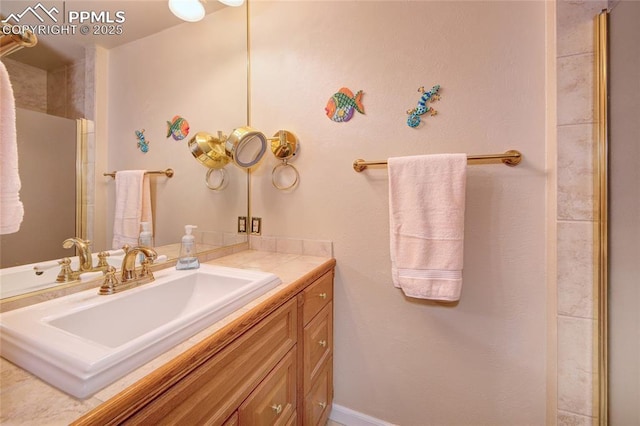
x,y
168,173
510,158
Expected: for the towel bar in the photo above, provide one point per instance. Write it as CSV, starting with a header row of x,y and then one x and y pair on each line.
x,y
510,158
168,173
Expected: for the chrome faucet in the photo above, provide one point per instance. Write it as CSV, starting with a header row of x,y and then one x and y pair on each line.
x,y
84,252
128,277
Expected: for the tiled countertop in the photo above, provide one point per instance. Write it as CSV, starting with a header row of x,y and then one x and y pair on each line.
x,y
26,400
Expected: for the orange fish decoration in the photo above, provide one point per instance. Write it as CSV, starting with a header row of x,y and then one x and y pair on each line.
x,y
178,127
342,104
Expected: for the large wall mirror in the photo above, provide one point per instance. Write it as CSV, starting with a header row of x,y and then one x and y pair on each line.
x,y
618,60
85,94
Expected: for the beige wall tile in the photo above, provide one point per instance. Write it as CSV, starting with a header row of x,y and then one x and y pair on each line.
x,y
576,172
76,90
57,92
575,25
571,419
29,85
317,248
575,89
575,365
575,269
289,245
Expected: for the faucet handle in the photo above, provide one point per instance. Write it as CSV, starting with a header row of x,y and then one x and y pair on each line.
x,y
66,273
102,259
146,267
110,282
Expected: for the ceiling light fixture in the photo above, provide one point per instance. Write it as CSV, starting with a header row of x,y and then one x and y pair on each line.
x,y
187,10
233,3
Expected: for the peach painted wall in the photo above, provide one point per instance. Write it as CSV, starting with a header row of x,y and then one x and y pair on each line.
x,y
402,360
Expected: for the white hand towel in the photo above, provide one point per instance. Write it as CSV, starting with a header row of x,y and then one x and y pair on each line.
x,y
426,215
11,209
133,205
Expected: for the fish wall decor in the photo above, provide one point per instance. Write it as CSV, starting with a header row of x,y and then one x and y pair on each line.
x,y
422,108
143,144
178,127
341,105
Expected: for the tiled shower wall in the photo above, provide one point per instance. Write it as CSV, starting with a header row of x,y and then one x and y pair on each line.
x,y
62,92
577,368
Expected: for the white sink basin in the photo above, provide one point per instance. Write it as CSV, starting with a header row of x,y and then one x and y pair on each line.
x,y
83,342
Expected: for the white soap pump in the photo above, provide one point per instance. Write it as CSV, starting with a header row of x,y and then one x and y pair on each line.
x,y
188,258
146,237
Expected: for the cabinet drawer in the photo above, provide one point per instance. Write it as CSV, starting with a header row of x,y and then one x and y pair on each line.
x,y
316,296
274,400
212,392
317,404
318,344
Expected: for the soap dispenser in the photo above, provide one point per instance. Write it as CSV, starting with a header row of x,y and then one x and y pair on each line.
x,y
146,237
188,258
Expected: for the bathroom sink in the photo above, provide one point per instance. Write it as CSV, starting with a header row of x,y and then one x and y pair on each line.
x,y
83,342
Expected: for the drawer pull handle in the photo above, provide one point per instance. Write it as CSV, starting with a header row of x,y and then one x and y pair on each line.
x,y
277,408
322,405
322,295
323,343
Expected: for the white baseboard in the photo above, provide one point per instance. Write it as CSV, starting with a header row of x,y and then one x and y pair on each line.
x,y
349,417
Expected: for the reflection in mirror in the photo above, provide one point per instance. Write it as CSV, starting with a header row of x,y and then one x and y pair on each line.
x,y
156,68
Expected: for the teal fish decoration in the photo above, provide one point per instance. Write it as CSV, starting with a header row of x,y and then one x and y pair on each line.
x,y
178,127
342,104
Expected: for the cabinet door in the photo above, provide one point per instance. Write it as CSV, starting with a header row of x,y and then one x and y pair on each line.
x,y
274,400
317,404
318,344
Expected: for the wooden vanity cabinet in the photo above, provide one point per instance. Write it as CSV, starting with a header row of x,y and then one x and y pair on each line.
x,y
213,391
278,371
316,339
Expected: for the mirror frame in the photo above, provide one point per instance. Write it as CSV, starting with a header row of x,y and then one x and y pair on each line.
x,y
601,242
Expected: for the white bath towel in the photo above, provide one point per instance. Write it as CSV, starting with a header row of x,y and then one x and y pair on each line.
x,y
11,209
426,215
133,205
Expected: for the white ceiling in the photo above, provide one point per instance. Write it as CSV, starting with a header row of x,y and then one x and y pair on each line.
x,y
142,18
